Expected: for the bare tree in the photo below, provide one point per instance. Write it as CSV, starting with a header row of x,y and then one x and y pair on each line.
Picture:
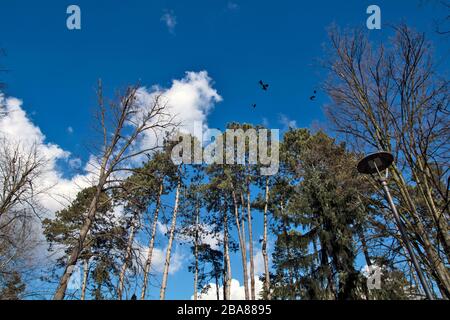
x,y
20,167
123,126
391,98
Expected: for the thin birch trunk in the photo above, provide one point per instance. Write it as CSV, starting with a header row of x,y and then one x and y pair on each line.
x,y
264,244
162,294
197,223
151,245
250,245
226,256
217,289
242,246
85,278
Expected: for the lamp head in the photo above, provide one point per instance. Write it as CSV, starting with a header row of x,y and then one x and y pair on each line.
x,y
375,162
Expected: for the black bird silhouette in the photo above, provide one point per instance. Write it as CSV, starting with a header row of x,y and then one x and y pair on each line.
x,y
313,97
133,297
254,105
263,85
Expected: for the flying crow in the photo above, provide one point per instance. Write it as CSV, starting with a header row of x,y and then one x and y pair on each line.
x,y
263,85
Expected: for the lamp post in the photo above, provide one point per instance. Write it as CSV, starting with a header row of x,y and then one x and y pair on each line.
x,y
374,164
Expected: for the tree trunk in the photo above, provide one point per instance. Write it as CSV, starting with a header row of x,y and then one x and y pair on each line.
x,y
85,278
126,261
242,246
264,244
197,222
217,288
288,251
365,249
151,245
226,257
250,245
162,294
75,253
432,257
438,217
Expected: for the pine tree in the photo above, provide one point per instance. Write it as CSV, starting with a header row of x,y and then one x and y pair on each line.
x,y
323,214
102,244
209,264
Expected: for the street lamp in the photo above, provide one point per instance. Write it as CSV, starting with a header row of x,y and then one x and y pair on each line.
x,y
373,164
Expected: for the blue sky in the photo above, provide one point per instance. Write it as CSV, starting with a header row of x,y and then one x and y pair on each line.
x,y
54,70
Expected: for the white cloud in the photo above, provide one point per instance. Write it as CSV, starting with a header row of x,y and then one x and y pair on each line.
x,y
162,228
158,258
189,101
75,163
16,127
170,20
232,6
54,191
258,263
237,291
286,122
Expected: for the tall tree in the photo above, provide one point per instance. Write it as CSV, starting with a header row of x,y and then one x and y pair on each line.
x,y
192,227
122,126
172,230
160,177
319,221
217,205
391,97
